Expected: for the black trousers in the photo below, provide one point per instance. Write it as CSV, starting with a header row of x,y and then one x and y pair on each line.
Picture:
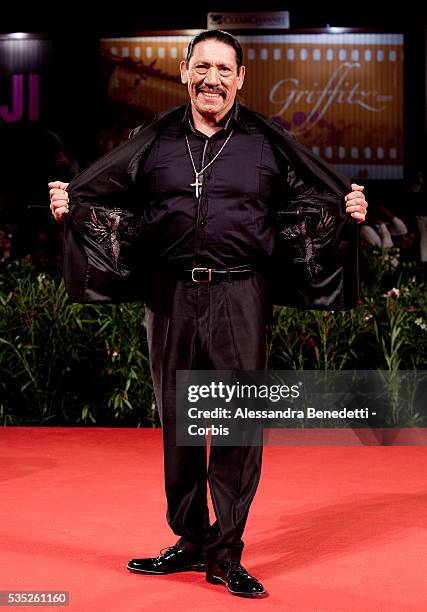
x,y
223,326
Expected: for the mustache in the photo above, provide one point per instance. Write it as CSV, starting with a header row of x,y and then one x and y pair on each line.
x,y
205,89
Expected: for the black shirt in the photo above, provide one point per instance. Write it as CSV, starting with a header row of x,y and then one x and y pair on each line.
x,y
229,224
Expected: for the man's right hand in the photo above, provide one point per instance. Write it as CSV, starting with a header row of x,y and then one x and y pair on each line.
x,y
58,199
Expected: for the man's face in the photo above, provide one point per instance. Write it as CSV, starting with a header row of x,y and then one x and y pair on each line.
x,y
212,78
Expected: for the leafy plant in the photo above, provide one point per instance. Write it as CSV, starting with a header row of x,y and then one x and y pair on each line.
x,y
75,364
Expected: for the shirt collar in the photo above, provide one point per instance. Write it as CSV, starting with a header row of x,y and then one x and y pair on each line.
x,y
235,120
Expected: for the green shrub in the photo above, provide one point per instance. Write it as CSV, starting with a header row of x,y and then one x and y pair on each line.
x,y
75,364
69,364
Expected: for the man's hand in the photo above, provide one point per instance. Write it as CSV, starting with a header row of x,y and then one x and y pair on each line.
x,y
58,199
356,204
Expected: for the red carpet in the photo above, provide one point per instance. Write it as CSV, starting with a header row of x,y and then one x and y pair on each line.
x,y
340,528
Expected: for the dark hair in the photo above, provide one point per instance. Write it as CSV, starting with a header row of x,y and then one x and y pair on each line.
x,y
220,35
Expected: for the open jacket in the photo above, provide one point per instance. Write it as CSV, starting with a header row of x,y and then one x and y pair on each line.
x,y
315,264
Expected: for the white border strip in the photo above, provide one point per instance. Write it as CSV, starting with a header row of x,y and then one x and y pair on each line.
x,y
329,39
378,171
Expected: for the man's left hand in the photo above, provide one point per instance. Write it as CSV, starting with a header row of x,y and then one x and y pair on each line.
x,y
355,203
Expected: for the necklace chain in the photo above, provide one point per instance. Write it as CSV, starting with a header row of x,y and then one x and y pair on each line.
x,y
200,172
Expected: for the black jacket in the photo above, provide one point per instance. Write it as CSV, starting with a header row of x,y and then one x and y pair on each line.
x,y
316,260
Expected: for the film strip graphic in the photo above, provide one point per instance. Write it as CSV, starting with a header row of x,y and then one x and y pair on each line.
x,y
340,94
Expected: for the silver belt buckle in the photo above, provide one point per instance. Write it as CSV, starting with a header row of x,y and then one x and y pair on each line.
x,y
208,270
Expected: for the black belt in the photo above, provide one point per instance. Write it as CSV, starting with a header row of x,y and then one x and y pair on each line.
x,y
213,275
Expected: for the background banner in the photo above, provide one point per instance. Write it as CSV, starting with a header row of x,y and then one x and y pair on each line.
x,y
340,94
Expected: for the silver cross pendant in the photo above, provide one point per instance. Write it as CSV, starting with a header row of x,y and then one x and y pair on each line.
x,y
197,184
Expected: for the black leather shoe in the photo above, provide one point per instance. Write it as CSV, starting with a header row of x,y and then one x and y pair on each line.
x,y
173,559
236,579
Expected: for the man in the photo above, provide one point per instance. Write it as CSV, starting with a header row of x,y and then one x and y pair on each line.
x,y
235,216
